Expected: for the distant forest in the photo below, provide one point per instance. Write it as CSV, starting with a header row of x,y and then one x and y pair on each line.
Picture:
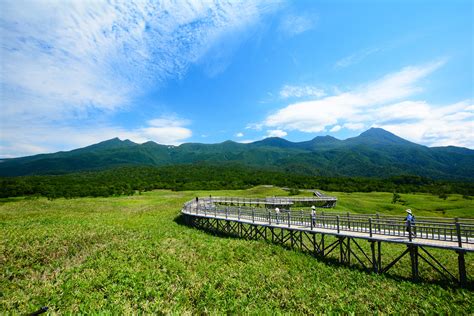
x,y
134,180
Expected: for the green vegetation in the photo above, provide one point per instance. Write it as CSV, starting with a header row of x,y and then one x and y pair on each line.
x,y
131,254
131,180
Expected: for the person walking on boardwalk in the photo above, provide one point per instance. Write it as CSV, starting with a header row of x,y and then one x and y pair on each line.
x,y
277,214
410,223
313,215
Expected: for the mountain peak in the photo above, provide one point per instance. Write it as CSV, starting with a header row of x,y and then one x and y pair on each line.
x,y
324,139
273,142
378,136
108,144
377,131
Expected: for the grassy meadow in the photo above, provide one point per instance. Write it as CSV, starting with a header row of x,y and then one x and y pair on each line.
x,y
132,254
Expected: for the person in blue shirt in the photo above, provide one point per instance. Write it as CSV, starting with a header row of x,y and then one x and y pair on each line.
x,y
410,223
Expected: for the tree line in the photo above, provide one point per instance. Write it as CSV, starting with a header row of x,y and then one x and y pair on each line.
x,y
134,180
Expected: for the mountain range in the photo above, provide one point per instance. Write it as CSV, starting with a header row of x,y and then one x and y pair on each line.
x,y
374,153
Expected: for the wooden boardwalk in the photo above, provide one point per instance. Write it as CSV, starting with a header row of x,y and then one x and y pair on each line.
x,y
241,217
319,200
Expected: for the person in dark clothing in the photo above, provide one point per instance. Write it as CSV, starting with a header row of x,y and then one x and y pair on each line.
x,y
410,223
313,215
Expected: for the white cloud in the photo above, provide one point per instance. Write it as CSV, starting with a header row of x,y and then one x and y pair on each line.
x,y
372,105
292,25
169,130
276,133
239,135
288,91
246,141
335,128
354,126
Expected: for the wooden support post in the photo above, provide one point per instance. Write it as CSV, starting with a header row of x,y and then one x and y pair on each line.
x,y
292,240
322,245
301,240
341,249
348,251
414,261
462,269
289,218
379,252
314,244
337,220
374,262
348,221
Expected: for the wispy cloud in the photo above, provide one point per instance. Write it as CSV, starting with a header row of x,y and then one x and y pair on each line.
x,y
357,57
276,133
372,104
289,91
70,60
292,24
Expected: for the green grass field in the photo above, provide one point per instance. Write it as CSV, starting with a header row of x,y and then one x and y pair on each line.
x,y
131,254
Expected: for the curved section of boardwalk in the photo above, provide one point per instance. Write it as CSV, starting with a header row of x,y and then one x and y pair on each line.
x,y
259,215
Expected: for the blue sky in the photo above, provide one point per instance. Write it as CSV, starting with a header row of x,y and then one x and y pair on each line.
x,y
76,73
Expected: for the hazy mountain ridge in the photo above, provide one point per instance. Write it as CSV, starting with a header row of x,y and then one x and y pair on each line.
x,y
374,153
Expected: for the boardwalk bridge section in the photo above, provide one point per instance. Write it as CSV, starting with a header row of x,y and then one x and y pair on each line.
x,y
255,218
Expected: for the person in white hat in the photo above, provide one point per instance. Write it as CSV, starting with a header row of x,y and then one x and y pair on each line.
x,y
410,223
277,214
313,215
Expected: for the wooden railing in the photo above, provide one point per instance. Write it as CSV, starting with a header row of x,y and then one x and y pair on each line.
x,y
459,230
